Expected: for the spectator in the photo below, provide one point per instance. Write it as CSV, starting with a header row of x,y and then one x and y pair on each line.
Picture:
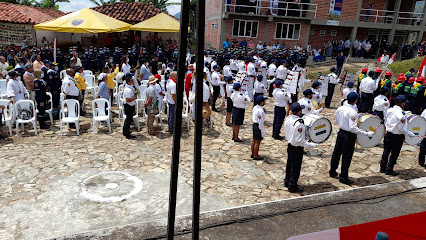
x,y
151,104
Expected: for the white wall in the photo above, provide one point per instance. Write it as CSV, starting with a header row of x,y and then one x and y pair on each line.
x,y
61,38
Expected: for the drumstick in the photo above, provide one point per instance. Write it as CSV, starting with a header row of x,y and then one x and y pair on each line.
x,y
377,128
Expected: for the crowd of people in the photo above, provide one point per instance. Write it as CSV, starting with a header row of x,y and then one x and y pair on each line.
x,y
31,74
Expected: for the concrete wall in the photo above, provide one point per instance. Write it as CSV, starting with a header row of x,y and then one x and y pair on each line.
x,y
61,38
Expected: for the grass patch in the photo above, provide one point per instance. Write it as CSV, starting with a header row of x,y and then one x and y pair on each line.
x,y
404,66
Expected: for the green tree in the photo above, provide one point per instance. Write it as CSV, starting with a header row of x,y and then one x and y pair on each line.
x,y
102,2
50,3
161,4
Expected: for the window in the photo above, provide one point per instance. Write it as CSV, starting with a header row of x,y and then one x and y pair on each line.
x,y
214,26
311,32
244,28
290,31
333,33
322,32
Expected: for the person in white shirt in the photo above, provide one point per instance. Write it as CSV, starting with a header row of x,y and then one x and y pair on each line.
x,y
281,101
229,105
217,83
130,99
259,88
332,82
234,64
271,75
259,46
171,99
242,66
422,152
307,102
239,101
346,91
258,126
207,71
317,95
367,88
282,71
347,119
15,88
3,65
384,57
251,72
263,70
213,63
159,92
381,103
70,89
295,136
396,131
227,69
207,59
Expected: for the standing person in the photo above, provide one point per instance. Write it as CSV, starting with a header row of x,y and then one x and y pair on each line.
x,y
110,80
316,94
80,82
251,72
159,91
234,64
40,89
347,118
240,101
229,104
171,99
422,152
295,136
258,126
281,101
346,91
282,71
333,81
259,88
217,83
381,103
227,69
340,60
37,64
307,102
271,75
367,88
144,70
396,129
130,99
54,83
151,105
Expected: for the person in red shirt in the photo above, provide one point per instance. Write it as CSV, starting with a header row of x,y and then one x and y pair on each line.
x,y
188,80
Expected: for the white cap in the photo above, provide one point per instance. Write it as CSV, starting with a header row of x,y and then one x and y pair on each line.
x,y
101,76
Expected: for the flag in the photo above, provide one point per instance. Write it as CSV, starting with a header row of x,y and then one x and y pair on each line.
x,y
380,59
422,68
391,59
54,51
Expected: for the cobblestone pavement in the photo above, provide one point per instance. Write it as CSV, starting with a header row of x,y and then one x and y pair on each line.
x,y
42,175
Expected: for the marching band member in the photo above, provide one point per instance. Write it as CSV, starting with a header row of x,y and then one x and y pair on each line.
x,y
282,100
234,64
362,76
347,90
332,82
381,103
258,126
396,127
422,152
295,136
251,72
227,69
216,83
347,118
368,86
229,104
271,75
240,101
259,88
242,66
307,102
317,96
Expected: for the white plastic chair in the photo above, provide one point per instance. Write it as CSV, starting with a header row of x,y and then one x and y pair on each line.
x,y
25,104
7,113
49,111
141,99
72,115
99,114
62,74
87,72
135,117
120,105
3,88
90,82
115,92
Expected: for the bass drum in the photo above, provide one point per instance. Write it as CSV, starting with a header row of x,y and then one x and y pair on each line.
x,y
318,129
368,123
417,125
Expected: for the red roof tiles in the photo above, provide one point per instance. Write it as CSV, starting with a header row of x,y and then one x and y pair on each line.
x,y
15,13
130,12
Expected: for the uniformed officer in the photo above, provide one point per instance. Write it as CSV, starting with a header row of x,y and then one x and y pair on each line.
x,y
421,95
381,103
86,61
422,152
239,101
281,101
217,83
332,82
54,84
410,93
60,59
295,136
271,75
259,88
130,99
367,88
258,126
307,102
117,56
361,76
40,89
396,127
100,60
410,72
317,95
347,119
251,72
229,89
303,59
346,91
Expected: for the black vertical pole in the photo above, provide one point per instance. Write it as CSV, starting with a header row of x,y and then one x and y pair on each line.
x,y
181,70
200,21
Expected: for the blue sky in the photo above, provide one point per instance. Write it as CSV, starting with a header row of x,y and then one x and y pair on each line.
x,y
75,5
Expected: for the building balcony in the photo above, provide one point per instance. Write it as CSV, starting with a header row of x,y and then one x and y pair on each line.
x,y
376,16
277,8
410,18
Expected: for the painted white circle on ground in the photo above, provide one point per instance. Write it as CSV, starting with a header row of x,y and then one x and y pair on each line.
x,y
110,188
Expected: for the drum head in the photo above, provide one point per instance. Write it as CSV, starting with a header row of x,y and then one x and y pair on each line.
x,y
417,125
369,123
320,130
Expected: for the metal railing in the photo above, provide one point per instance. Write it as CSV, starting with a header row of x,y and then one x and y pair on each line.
x,y
409,18
376,15
270,7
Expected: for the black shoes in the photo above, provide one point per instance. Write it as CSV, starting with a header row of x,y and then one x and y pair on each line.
x,y
130,137
278,138
333,174
346,181
296,190
258,158
392,173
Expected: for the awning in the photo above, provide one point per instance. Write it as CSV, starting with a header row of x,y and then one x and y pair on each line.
x,y
159,23
84,21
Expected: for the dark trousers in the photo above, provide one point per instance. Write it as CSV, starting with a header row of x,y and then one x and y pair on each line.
x,y
40,114
112,97
171,117
366,103
294,97
129,111
379,114
279,116
71,97
294,164
329,95
216,93
271,89
55,99
422,152
345,145
393,144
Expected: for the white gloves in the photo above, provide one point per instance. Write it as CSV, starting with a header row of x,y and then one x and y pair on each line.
x,y
311,145
410,134
370,134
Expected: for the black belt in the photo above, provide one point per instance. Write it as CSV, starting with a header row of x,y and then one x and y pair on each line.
x,y
256,124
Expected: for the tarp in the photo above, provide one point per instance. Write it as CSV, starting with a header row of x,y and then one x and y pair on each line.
x,y
84,21
159,23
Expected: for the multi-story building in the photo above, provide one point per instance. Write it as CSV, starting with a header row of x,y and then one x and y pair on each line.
x,y
312,22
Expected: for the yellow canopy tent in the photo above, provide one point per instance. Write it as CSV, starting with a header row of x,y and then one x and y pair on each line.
x,y
84,21
159,23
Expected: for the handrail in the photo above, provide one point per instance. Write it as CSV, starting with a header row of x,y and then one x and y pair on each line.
x,y
377,14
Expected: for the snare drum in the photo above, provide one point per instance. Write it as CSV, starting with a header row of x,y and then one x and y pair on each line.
x,y
318,128
417,125
368,123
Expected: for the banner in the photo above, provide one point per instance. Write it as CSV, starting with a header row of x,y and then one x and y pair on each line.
x,y
334,12
12,33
